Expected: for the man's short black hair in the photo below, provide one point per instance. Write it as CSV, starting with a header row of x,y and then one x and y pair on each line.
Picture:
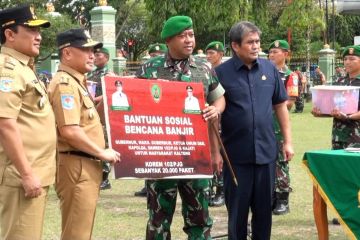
x,y
2,32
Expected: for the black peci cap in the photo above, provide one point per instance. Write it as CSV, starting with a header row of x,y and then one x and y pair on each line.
x,y
76,37
21,15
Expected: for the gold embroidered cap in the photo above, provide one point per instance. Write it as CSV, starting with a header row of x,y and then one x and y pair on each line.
x,y
21,15
76,37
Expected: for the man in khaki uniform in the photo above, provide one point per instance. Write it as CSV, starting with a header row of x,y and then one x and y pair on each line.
x,y
81,138
27,128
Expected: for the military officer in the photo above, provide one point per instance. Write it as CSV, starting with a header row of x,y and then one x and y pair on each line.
x,y
154,50
179,65
340,75
101,62
299,102
214,54
27,164
157,49
81,138
278,53
345,128
319,78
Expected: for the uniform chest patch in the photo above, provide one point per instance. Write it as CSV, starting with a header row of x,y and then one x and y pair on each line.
x,y
67,101
6,85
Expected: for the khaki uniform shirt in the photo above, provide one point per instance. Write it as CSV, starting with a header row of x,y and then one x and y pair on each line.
x,y
73,105
23,97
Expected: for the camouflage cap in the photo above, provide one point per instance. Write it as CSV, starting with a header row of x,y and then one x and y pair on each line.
x,y
157,47
21,15
282,44
216,45
76,37
351,50
176,25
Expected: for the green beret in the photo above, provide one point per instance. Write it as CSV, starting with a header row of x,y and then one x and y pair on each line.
x,y
216,45
176,25
157,47
280,44
103,50
351,50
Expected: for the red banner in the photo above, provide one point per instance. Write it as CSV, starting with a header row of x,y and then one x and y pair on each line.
x,y
157,127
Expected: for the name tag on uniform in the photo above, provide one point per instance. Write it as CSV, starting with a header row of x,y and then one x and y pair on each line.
x,y
67,101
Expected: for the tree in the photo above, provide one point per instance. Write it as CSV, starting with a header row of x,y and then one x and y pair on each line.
x,y
58,24
303,16
13,3
212,18
132,26
346,27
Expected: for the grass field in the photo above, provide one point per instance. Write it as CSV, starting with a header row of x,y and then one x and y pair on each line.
x,y
120,215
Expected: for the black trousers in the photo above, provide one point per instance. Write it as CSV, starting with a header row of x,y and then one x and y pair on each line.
x,y
254,191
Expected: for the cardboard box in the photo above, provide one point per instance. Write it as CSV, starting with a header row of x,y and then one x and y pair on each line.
x,y
328,98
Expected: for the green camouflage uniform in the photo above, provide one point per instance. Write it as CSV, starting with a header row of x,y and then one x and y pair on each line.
x,y
346,132
96,76
340,81
299,102
194,193
282,177
317,79
338,77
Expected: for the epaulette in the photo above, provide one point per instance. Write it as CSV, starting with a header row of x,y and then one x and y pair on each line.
x,y
9,63
64,80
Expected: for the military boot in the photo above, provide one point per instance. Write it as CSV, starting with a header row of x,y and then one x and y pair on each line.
x,y
142,192
105,184
282,204
219,198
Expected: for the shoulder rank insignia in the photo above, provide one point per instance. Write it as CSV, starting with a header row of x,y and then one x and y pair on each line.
x,y
64,80
9,63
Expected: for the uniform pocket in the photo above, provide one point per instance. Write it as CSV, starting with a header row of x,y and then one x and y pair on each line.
x,y
90,112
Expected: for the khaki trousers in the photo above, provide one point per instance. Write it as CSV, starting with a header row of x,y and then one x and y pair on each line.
x,y
21,218
77,186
